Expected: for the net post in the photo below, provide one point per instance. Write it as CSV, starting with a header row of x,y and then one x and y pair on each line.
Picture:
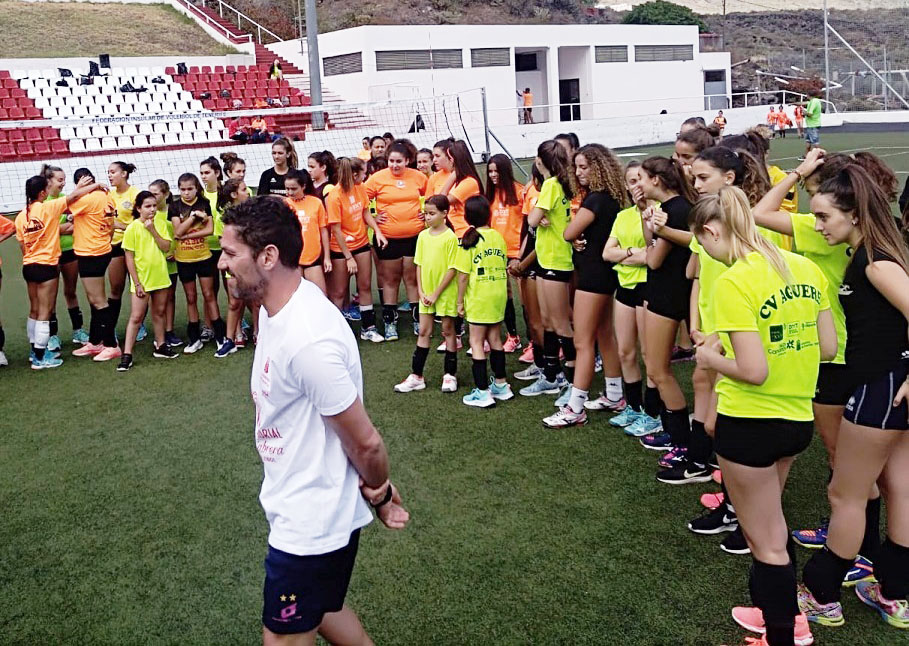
x,y
486,151
315,75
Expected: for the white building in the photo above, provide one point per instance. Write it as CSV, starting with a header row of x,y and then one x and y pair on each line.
x,y
575,72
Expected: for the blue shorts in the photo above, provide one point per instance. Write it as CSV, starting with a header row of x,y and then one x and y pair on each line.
x,y
300,590
812,136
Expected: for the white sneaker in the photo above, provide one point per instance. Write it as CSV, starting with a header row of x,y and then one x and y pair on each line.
x,y
442,348
565,418
371,334
449,384
194,347
530,373
479,399
410,384
3,360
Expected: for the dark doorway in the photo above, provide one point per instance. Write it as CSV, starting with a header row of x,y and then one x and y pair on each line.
x,y
569,99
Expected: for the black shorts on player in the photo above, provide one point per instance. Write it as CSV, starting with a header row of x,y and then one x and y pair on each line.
x,y
555,275
760,443
93,266
37,273
871,404
116,251
397,248
300,590
188,271
67,257
631,296
834,386
339,255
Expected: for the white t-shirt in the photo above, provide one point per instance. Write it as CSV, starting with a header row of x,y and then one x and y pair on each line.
x,y
307,366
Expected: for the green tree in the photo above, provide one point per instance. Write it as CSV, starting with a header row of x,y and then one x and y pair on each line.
x,y
660,12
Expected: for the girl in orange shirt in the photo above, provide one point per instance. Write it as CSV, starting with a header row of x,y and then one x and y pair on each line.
x,y
463,183
525,271
443,164
506,199
347,207
231,193
424,162
38,233
323,169
315,261
397,191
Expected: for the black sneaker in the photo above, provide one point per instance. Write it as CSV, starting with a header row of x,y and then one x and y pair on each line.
x,y
126,362
715,521
207,334
171,339
682,354
685,472
735,543
713,462
164,351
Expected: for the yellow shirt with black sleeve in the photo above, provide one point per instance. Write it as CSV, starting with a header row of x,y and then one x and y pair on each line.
x,y
629,232
124,202
214,240
487,282
832,262
190,249
435,255
751,297
553,251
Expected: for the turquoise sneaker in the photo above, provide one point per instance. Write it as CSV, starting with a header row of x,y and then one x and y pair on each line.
x,y
391,331
53,343
540,387
80,336
49,361
626,418
500,393
643,425
141,334
564,397
479,399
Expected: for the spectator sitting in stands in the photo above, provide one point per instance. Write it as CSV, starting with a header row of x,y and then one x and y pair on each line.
x,y
274,103
237,132
260,133
260,103
276,72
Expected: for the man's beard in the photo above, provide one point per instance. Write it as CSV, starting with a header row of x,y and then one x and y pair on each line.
x,y
251,292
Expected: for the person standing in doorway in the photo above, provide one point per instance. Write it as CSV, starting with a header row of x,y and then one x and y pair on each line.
x,y
527,96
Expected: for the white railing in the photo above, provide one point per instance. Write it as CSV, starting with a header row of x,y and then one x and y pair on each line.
x,y
235,15
227,33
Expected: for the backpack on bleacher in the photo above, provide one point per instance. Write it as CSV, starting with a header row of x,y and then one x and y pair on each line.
x,y
182,69
65,73
62,83
158,79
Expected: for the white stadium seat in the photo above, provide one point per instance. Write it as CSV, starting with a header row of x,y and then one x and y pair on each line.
x,y
64,112
80,111
110,109
84,132
19,74
76,146
214,135
146,128
98,132
67,132
172,139
108,142
124,142
140,141
92,145
160,127
26,84
175,126
114,130
156,140
57,101
42,83
130,129
50,113
186,137
41,102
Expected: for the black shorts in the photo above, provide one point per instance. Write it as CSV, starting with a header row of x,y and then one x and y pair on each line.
x,y
671,301
555,275
93,266
834,387
317,263
36,273
67,257
631,296
871,404
300,590
188,271
215,257
597,278
397,248
116,250
339,255
760,442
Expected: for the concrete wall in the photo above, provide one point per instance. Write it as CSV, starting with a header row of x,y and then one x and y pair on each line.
x,y
80,64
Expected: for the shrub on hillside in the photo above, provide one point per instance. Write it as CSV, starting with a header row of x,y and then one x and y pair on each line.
x,y
660,12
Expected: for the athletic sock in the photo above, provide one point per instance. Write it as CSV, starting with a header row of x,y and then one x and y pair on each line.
x,y
577,399
480,375
550,355
30,330
389,313
418,362
42,336
219,327
727,500
511,319
451,363
571,354
114,317
613,388
633,395
54,326
871,541
109,335
539,358
675,422
892,569
2,338
367,317
193,331
497,361
700,446
824,574
652,402
459,325
793,554
95,325
773,590
75,317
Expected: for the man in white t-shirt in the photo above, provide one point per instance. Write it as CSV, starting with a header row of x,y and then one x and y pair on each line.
x,y
325,463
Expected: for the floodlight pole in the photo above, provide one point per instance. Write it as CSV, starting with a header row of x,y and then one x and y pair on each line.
x,y
826,57
315,73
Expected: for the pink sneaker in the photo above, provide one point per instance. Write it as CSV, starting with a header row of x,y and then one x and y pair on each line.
x,y
717,476
107,354
752,619
527,355
88,350
511,344
712,500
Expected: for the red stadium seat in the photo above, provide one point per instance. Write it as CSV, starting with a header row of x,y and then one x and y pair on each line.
x,y
3,136
181,78
4,74
219,69
10,84
206,69
221,104
48,133
16,113
4,93
34,134
170,70
240,84
208,104
192,78
16,136
59,147
241,68
42,148
7,151
9,103
230,69
33,113
194,69
270,122
296,101
24,150
18,93
189,87
4,115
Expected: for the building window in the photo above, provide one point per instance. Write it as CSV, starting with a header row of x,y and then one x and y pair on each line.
x,y
343,64
649,53
490,57
526,62
418,59
714,76
611,54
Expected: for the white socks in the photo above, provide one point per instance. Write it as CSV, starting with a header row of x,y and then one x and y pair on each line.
x,y
30,328
577,399
613,388
42,334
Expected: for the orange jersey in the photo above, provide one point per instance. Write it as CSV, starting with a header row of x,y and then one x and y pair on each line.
x,y
311,214
7,227
508,220
576,204
528,99
459,193
347,210
398,200
38,231
531,193
93,223
436,182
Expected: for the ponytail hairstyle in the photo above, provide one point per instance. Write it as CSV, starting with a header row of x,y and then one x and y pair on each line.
x,y
302,176
127,168
698,138
375,164
442,203
82,172
751,142
231,160
325,158
505,187
853,190
289,150
215,165
671,175
47,171
191,177
570,138
33,187
345,174
444,145
606,174
224,192
477,214
140,198
357,166
400,148
749,174
463,163
164,187
553,156
411,152
730,207
883,177
536,177
693,122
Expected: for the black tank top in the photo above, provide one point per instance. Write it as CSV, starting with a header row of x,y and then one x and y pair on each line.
x,y
604,208
875,329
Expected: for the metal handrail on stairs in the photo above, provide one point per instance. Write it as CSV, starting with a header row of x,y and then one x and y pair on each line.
x,y
211,23
240,16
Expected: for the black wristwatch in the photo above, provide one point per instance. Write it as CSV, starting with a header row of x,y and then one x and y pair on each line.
x,y
386,499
